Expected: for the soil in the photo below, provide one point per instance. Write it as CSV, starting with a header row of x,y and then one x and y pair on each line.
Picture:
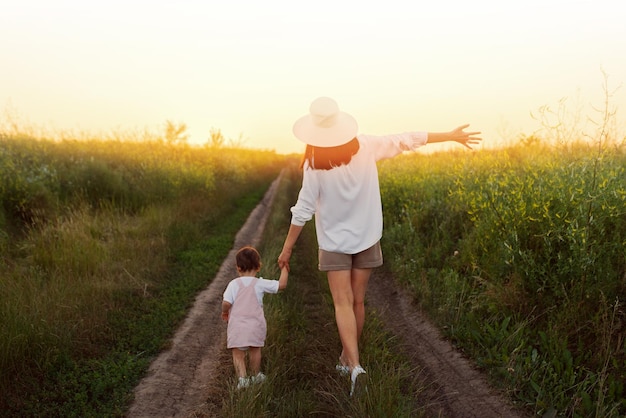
x,y
454,387
179,379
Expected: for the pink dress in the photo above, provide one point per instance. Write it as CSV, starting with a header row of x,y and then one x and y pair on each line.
x,y
246,324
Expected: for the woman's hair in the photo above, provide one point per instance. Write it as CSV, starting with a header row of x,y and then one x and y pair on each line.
x,y
325,158
248,259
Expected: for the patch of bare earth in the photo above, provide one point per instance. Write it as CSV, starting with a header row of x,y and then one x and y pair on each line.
x,y
181,379
178,380
454,388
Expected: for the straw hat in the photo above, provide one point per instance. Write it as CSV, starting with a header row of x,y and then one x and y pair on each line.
x,y
325,125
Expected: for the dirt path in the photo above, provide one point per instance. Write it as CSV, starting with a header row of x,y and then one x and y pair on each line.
x,y
179,379
454,387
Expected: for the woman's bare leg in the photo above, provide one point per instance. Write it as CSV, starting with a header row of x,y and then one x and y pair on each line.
x,y
360,279
340,286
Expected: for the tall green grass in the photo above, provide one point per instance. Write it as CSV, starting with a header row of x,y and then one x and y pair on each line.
x,y
519,254
303,346
103,245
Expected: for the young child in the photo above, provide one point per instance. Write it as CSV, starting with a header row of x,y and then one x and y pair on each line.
x,y
242,308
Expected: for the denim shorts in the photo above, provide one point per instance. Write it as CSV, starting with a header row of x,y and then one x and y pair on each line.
x,y
370,258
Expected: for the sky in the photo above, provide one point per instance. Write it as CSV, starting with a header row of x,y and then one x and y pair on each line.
x,y
249,69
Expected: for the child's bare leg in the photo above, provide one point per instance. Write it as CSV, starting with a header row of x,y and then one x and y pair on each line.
x,y
255,360
239,361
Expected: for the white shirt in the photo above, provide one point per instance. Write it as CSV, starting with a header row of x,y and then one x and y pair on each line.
x,y
261,287
346,199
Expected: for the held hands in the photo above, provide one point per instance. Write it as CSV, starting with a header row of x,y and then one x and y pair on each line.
x,y
283,259
465,138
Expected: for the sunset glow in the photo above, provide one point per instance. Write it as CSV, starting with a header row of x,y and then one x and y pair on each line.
x,y
250,69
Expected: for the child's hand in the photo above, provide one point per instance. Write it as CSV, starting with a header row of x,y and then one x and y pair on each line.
x,y
283,260
226,310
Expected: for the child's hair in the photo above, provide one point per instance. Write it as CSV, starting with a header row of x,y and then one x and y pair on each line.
x,y
248,259
326,158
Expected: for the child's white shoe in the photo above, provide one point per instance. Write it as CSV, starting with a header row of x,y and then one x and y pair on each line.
x,y
244,382
259,378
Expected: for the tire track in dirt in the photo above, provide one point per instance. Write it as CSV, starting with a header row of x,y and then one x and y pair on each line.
x,y
179,379
454,388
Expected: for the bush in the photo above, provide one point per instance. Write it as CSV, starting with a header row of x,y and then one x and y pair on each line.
x,y
103,244
519,254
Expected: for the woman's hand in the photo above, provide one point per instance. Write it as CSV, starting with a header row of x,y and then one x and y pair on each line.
x,y
465,138
290,241
283,259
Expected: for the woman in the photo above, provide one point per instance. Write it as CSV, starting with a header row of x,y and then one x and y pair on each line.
x,y
340,187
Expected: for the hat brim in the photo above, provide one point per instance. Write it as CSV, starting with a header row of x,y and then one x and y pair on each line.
x,y
343,131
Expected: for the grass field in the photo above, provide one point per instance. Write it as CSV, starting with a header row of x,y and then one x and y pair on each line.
x,y
103,245
518,255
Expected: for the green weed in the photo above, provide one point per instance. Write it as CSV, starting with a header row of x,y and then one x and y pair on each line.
x,y
103,245
515,253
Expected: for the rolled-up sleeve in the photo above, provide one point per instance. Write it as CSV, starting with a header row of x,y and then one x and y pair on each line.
x,y
306,204
389,146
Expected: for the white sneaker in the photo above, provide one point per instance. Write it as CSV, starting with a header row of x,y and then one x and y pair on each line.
x,y
244,382
259,378
358,379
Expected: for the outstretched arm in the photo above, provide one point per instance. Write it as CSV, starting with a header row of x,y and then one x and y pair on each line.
x,y
457,135
290,241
